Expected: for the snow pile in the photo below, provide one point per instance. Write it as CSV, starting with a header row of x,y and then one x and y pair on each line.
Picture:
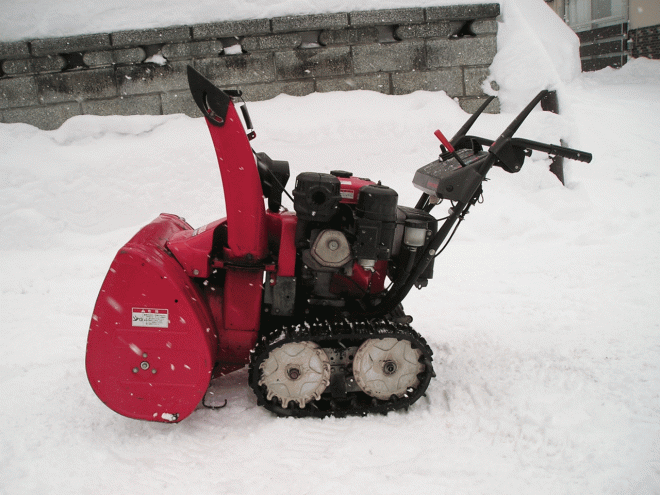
x,y
535,51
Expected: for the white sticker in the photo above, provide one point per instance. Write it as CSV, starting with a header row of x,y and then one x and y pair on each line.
x,y
199,230
150,317
347,194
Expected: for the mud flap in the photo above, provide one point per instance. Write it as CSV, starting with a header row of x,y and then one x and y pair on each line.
x,y
152,343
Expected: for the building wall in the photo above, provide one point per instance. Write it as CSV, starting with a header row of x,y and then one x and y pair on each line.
x,y
643,13
44,82
610,42
644,34
645,42
604,47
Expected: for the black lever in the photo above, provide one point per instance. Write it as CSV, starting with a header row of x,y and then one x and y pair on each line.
x,y
248,122
508,133
466,127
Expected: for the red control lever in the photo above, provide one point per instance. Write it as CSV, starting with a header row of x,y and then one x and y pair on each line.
x,y
444,141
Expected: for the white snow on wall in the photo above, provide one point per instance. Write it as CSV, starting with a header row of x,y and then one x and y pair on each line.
x,y
46,19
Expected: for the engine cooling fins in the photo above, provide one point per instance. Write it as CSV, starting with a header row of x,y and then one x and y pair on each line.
x,y
311,369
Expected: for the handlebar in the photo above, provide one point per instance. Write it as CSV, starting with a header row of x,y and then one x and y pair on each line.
x,y
553,149
505,152
550,149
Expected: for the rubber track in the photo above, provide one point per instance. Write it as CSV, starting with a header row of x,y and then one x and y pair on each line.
x,y
339,334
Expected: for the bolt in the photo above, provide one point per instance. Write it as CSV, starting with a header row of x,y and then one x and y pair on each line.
x,y
333,245
144,365
135,370
144,355
294,373
389,367
153,371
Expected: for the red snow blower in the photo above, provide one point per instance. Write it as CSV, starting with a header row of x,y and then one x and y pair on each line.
x,y
309,299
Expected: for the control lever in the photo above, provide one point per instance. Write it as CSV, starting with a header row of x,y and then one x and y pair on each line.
x,y
447,145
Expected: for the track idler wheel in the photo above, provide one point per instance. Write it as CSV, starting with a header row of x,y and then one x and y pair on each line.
x,y
386,368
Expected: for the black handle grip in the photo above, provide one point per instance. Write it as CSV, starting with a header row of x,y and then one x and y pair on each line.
x,y
246,117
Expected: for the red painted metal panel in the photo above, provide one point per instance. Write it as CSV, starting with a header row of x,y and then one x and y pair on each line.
x,y
152,343
246,215
349,187
192,248
362,281
282,233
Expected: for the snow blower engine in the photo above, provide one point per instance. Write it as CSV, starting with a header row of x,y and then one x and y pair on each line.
x,y
310,299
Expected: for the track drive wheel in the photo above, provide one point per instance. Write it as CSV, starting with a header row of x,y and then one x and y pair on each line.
x,y
295,372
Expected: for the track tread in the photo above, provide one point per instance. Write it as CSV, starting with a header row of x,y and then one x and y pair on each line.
x,y
337,334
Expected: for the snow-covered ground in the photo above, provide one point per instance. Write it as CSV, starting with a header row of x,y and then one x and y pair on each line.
x,y
543,314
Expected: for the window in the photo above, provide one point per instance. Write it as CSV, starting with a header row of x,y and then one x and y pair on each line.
x,y
589,14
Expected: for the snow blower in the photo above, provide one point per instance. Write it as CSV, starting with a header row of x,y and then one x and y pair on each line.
x,y
310,300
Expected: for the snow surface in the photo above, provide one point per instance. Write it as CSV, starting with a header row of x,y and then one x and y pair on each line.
x,y
45,19
542,315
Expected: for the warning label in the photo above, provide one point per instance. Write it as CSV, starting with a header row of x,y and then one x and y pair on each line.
x,y
150,317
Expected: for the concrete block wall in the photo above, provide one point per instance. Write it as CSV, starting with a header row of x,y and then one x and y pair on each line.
x,y
398,51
